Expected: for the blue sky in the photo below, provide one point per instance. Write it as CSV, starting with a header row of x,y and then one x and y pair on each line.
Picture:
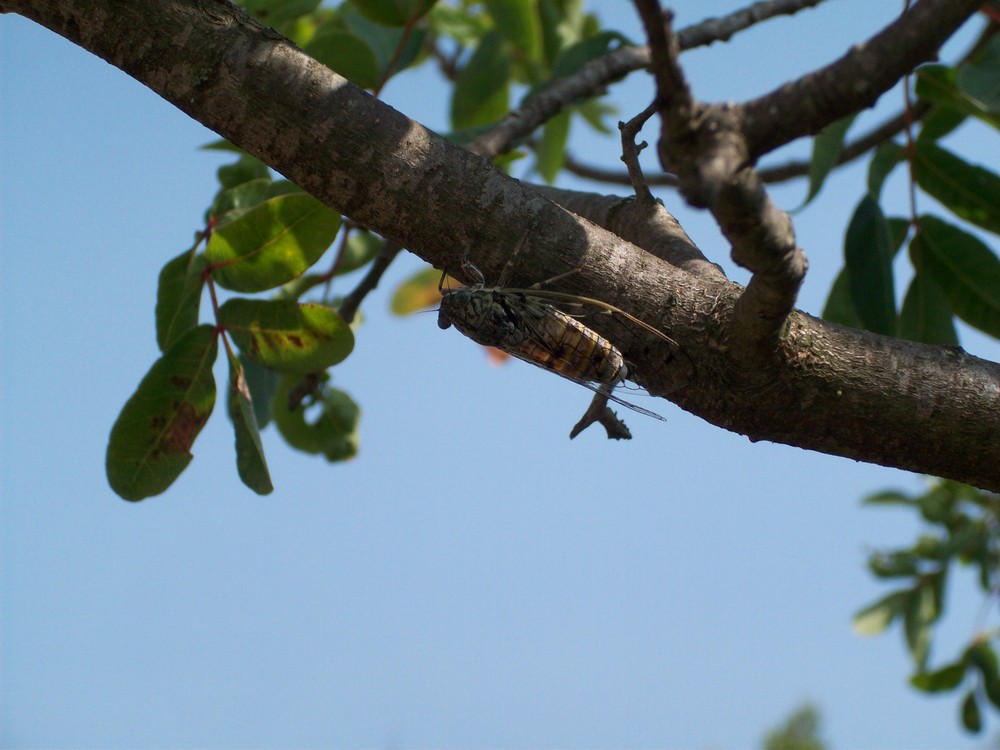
x,y
473,578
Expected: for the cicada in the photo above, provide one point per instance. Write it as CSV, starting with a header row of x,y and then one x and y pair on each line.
x,y
526,324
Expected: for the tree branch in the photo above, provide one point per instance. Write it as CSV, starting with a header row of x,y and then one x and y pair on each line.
x,y
855,81
825,387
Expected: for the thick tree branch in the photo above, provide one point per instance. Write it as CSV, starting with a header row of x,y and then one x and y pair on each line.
x,y
855,81
824,387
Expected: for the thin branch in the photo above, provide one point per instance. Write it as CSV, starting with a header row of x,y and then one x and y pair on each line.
x,y
723,28
856,80
593,78
351,303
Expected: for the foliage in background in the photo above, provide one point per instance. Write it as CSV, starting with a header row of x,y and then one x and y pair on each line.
x,y
801,731
265,236
962,525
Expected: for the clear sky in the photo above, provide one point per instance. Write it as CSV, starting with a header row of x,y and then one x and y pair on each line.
x,y
473,578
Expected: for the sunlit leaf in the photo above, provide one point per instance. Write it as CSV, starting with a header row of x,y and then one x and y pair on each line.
x,y
287,336
271,243
245,169
150,443
481,93
970,192
250,462
876,617
868,257
417,293
964,269
919,615
178,297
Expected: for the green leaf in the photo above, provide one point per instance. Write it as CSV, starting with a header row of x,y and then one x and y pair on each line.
x,y
241,197
360,250
839,307
939,121
287,336
262,382
982,656
178,297
827,145
925,316
971,719
391,45
393,12
332,432
868,257
876,617
271,243
273,12
970,192
551,153
980,79
937,84
243,170
417,293
963,268
940,680
919,615
150,443
519,23
346,54
482,90
884,160
888,497
250,462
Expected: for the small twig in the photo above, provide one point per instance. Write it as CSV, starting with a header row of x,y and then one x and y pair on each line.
x,y
598,411
769,175
631,150
349,307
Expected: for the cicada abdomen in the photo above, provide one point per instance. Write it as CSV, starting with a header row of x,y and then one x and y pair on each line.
x,y
521,323
533,331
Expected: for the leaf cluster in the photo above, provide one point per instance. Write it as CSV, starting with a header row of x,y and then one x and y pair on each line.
x,y
955,273
963,523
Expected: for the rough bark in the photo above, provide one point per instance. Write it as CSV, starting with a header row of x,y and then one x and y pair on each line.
x,y
823,387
